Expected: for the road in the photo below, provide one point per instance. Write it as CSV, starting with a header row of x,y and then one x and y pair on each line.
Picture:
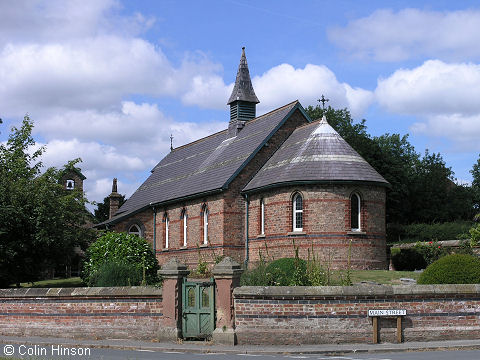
x,y
60,352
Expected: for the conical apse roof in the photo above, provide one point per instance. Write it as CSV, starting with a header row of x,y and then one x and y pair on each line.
x,y
315,152
243,89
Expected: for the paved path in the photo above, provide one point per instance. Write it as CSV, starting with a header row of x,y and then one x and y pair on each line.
x,y
208,347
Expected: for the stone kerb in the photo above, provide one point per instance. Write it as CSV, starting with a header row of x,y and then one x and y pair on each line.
x,y
173,273
227,277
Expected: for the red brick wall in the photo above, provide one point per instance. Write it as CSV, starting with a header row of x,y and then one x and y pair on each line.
x,y
234,202
288,315
82,313
326,225
226,215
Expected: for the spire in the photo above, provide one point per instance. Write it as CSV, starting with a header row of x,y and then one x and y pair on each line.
x,y
243,100
243,89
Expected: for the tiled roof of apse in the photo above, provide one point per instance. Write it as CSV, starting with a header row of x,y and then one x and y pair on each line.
x,y
314,153
206,165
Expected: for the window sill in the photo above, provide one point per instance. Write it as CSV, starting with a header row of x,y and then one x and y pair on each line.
x,y
203,245
356,233
165,249
260,236
183,247
296,233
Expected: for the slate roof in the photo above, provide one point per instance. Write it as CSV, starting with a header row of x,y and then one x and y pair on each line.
x,y
206,165
243,89
314,152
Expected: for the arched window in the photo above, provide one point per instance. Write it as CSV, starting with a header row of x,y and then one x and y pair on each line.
x,y
135,230
297,206
184,225
262,217
166,221
355,211
205,225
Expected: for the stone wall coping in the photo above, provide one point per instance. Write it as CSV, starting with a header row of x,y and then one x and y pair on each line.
x,y
353,291
94,292
445,243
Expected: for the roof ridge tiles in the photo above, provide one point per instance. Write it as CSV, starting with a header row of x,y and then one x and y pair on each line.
x,y
272,111
199,140
225,130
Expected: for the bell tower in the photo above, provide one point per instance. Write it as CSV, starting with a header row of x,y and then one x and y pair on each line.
x,y
243,100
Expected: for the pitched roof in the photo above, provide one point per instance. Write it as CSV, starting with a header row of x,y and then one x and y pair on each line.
x,y
314,152
206,165
243,89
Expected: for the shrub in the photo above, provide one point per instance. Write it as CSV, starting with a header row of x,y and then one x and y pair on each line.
x,y
427,232
120,248
288,271
117,274
408,259
452,269
417,257
474,235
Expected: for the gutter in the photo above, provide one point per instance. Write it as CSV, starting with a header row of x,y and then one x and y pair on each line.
x,y
314,182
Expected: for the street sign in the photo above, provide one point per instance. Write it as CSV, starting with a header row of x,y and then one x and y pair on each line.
x,y
390,312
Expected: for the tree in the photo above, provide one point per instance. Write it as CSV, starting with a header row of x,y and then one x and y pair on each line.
x,y
40,222
422,188
476,186
102,212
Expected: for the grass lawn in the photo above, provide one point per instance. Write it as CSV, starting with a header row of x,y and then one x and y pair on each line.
x,y
56,283
378,276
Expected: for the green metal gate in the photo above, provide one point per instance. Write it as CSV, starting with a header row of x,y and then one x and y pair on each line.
x,y
198,309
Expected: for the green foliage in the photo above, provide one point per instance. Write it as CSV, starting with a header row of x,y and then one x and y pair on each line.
x,y
102,212
120,248
288,272
40,222
474,235
117,274
427,232
407,259
256,276
422,187
452,269
417,257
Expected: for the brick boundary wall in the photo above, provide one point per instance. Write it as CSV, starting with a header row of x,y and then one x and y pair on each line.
x,y
93,313
335,314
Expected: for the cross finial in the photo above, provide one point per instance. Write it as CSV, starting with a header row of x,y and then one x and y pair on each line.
x,y
171,142
323,101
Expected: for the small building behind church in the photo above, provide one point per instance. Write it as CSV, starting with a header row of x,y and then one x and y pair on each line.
x,y
264,186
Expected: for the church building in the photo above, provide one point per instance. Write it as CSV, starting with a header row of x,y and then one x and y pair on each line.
x,y
264,186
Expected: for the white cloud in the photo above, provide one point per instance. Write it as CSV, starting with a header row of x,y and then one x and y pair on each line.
x,y
443,96
284,83
77,65
411,33
434,87
463,130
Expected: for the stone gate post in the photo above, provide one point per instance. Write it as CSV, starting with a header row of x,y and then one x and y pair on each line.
x,y
227,277
173,273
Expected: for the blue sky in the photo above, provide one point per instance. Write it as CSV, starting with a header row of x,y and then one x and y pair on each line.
x,y
109,81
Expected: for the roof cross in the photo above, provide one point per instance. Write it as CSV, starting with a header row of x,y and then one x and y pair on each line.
x,y
171,142
323,101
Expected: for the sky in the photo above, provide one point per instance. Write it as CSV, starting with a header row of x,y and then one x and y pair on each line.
x,y
109,81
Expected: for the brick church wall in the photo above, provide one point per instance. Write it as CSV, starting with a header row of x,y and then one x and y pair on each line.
x,y
326,225
235,202
226,229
